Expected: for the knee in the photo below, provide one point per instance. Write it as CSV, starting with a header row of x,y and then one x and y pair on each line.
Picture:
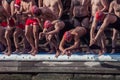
x,y
36,34
7,35
15,35
27,34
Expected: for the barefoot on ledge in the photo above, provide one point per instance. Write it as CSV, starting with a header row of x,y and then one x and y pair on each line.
x,y
8,53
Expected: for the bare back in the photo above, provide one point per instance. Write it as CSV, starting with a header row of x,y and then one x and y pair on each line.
x,y
116,8
78,31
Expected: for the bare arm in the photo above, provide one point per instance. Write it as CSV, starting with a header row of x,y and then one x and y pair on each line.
x,y
85,2
105,5
40,3
57,30
93,27
111,7
61,46
58,26
102,28
12,8
71,8
60,6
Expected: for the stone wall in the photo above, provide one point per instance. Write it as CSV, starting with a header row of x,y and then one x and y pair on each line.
x,y
40,70
58,76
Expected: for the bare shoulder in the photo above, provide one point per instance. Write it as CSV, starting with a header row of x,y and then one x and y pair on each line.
x,y
113,2
22,3
43,9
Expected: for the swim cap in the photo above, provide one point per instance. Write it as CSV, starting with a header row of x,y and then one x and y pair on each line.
x,y
47,24
17,3
34,9
99,15
67,36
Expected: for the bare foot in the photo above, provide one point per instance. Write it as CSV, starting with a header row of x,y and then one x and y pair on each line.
x,y
24,51
8,53
57,54
51,51
16,52
104,51
34,53
100,53
31,51
69,53
46,49
5,51
113,51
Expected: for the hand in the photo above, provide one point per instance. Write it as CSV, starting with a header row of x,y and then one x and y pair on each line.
x,y
64,52
92,42
49,37
41,35
69,53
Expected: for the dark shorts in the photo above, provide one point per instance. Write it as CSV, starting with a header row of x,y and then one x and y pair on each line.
x,y
9,1
79,19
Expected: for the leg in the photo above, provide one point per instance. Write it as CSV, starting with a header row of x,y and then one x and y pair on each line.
x,y
7,37
16,35
2,37
36,38
29,37
114,38
103,43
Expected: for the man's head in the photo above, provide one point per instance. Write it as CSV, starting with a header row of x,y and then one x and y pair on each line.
x,y
99,15
17,3
67,36
47,24
35,11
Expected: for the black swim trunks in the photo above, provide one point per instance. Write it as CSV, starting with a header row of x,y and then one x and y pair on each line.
x,y
115,25
9,1
79,19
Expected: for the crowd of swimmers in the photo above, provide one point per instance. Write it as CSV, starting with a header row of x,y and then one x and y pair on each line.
x,y
58,26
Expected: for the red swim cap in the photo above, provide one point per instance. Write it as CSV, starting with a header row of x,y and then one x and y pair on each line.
x,y
99,15
17,3
67,36
47,24
34,9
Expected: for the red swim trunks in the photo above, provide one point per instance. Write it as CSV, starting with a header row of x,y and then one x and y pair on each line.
x,y
5,24
11,22
99,15
31,22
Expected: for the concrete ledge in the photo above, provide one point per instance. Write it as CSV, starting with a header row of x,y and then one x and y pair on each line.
x,y
77,67
51,57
